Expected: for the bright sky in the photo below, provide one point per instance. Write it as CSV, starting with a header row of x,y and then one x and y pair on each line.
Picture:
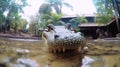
x,y
81,7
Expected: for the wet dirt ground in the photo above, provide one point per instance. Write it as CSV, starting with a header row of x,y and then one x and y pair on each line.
x,y
28,53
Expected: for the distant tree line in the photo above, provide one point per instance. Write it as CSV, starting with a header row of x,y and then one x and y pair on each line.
x,y
10,18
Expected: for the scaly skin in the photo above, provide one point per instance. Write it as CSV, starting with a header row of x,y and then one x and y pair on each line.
x,y
61,45
68,40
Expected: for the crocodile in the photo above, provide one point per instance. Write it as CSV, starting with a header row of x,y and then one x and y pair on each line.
x,y
62,38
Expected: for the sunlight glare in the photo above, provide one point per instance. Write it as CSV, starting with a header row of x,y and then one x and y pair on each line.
x,y
85,7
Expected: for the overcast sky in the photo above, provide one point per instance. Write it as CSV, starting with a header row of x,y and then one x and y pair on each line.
x,y
81,7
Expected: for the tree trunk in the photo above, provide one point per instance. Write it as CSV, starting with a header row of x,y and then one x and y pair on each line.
x,y
116,8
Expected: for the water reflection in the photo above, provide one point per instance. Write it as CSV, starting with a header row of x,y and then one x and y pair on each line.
x,y
81,60
67,60
105,61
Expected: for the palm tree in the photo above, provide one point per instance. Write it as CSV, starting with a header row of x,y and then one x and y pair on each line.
x,y
79,19
54,18
47,15
45,9
17,25
107,9
11,8
57,5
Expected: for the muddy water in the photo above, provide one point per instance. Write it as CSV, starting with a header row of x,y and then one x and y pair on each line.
x,y
15,53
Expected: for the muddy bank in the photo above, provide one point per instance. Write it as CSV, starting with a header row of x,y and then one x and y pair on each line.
x,y
19,37
36,52
103,47
15,53
12,51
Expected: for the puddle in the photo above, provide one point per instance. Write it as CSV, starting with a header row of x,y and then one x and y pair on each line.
x,y
103,61
19,62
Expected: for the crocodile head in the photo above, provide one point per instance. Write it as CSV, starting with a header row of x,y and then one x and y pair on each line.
x,y
61,39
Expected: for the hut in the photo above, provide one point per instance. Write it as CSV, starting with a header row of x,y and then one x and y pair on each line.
x,y
89,29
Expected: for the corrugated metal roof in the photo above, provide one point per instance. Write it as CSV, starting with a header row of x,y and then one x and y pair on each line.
x,y
86,15
94,24
90,24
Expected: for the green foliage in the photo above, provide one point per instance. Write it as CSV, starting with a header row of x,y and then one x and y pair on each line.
x,y
3,7
54,18
18,24
35,24
57,5
104,11
9,11
2,18
46,19
45,9
40,22
79,19
46,14
15,7
12,7
103,19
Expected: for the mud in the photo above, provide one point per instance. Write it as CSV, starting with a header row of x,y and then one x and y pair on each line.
x,y
97,53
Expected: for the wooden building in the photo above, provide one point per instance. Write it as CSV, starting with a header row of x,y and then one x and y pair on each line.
x,y
89,29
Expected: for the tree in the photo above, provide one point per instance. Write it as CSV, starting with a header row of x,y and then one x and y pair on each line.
x,y
3,7
104,11
57,5
54,18
36,22
39,22
45,9
107,9
11,8
44,14
47,15
116,5
18,25
79,19
103,15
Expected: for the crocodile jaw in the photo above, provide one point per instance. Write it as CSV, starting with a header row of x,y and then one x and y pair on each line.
x,y
65,42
